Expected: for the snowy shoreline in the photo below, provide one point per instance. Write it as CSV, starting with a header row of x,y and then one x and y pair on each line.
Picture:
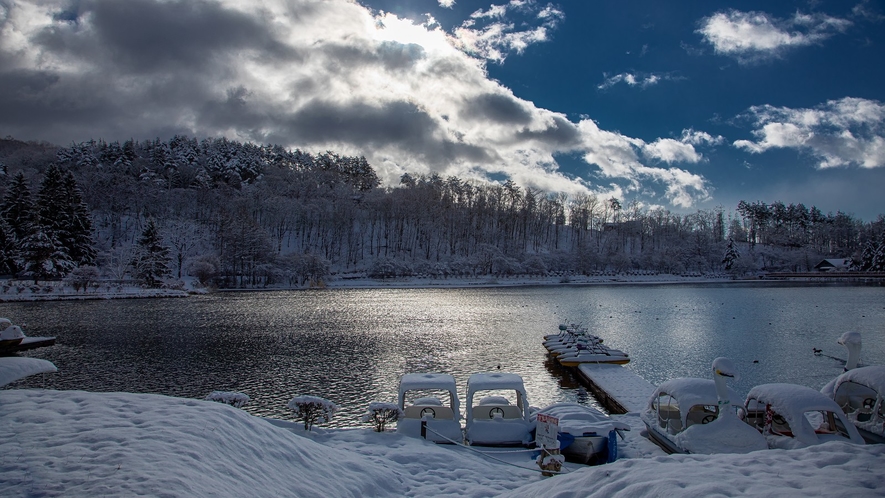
x,y
77,443
348,283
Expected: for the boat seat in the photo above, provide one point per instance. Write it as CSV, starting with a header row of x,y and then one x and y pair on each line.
x,y
433,411
488,412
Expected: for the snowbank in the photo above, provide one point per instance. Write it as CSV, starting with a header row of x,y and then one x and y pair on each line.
x,y
75,443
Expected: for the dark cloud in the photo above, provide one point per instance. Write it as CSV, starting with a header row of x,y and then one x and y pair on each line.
x,y
395,123
147,35
503,109
562,133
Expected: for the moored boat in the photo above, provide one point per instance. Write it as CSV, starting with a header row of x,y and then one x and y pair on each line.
x,y
793,416
494,420
586,435
860,393
419,399
691,415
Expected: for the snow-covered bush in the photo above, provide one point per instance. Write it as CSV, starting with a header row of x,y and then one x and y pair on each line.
x,y
232,398
381,414
312,410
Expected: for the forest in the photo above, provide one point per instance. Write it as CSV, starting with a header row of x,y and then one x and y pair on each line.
x,y
241,215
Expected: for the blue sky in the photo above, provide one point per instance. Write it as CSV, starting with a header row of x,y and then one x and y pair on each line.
x,y
682,105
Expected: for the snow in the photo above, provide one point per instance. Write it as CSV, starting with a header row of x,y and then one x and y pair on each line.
x,y
493,381
624,386
13,368
75,443
234,399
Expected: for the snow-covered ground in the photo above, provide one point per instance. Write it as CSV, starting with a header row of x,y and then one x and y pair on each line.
x,y
75,443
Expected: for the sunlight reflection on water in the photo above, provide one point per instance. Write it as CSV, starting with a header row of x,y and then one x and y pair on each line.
x,y
351,346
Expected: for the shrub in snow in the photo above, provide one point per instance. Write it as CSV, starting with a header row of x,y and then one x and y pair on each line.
x,y
381,414
312,410
232,398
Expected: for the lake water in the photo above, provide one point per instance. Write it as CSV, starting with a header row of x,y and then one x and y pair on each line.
x,y
351,346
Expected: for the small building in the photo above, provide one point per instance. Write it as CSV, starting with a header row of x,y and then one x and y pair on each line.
x,y
838,264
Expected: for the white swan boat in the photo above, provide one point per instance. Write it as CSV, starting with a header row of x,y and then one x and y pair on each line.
x,y
691,415
586,435
860,392
792,416
494,420
419,399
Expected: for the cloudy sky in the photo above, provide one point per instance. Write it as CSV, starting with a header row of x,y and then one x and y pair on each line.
x,y
689,105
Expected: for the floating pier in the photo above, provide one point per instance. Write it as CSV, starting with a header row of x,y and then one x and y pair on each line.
x,y
28,343
618,389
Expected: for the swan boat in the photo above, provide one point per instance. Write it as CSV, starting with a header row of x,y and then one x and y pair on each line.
x,y
793,416
692,415
586,435
441,420
492,420
860,392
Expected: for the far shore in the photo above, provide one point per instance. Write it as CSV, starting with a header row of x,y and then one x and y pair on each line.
x,y
190,287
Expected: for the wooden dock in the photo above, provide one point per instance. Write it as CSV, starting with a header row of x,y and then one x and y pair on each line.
x,y
618,389
26,344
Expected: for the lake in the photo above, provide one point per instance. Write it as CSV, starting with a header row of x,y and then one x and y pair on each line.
x,y
351,346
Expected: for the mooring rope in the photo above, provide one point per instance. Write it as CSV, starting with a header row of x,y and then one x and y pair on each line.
x,y
488,455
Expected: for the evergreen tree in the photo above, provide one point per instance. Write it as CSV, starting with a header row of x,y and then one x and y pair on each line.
x,y
77,238
18,207
9,253
151,261
731,255
44,257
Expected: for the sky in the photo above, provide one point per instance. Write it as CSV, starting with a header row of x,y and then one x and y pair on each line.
x,y
680,105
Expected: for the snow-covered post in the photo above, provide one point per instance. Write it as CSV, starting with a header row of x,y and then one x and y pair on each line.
x,y
234,399
381,414
312,410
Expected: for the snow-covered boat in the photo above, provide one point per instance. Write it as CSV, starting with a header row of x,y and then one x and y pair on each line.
x,y
586,435
419,399
593,354
574,346
494,420
861,394
691,415
10,335
794,416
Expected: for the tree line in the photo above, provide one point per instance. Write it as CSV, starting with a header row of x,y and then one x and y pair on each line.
x,y
237,214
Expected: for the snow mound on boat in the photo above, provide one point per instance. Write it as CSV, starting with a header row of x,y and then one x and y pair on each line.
x,y
726,434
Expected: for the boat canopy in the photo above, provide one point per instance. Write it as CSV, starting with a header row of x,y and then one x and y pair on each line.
x,y
872,377
690,391
792,401
429,381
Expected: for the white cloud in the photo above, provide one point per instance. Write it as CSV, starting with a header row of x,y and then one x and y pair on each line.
x,y
447,4
641,80
501,36
845,132
314,75
752,36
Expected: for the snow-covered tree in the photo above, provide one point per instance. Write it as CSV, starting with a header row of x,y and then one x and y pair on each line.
x,y
380,415
312,410
44,256
731,255
18,207
151,261
9,252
